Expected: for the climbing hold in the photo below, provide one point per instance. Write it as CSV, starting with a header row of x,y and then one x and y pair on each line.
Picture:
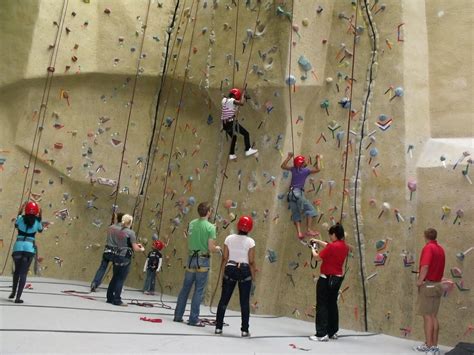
x,y
305,22
345,102
304,63
228,204
290,80
373,153
385,207
412,187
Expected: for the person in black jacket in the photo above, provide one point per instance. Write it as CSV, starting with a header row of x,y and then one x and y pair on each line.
x,y
152,266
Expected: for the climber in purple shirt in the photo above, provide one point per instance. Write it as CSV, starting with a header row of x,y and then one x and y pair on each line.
x,y
296,200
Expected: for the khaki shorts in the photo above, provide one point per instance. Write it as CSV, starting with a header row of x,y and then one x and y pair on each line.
x,y
429,298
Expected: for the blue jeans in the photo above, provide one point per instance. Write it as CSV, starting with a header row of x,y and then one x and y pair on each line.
x,y
120,272
199,279
99,276
232,276
298,203
150,281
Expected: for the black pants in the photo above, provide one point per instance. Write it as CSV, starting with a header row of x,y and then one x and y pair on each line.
x,y
229,128
22,261
120,272
232,276
327,314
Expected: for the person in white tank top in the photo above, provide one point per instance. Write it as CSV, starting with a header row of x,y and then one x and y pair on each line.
x,y
238,263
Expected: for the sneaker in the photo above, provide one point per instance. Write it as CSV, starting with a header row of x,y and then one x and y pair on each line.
x,y
316,338
250,152
245,334
232,157
423,348
178,320
434,350
334,337
121,304
198,324
12,296
18,301
218,331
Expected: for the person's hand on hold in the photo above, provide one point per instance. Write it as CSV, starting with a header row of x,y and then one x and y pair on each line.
x,y
141,247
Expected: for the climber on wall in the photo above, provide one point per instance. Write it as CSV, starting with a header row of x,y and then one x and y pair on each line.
x,y
232,126
24,248
296,200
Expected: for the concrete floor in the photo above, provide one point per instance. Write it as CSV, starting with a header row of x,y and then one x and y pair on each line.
x,y
51,321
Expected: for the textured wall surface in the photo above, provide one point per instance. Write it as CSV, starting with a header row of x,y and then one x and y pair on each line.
x,y
65,131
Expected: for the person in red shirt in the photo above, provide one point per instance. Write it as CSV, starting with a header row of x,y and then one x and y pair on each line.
x,y
329,282
432,261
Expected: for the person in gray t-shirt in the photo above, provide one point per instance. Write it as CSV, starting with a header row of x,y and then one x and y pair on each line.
x,y
123,240
107,256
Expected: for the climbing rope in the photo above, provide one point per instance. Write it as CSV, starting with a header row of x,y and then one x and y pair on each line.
x,y
40,121
227,160
137,73
235,42
143,191
186,72
356,183
289,76
349,115
224,173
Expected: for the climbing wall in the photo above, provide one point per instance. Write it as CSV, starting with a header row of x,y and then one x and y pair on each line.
x,y
115,105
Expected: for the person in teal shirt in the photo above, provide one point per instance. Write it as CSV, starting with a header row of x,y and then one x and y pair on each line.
x,y
24,248
201,241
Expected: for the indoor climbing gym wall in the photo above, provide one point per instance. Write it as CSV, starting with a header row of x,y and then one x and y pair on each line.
x,y
114,105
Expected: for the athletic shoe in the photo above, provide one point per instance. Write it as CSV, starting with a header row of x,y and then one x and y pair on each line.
x,y
198,324
434,350
245,334
232,157
423,348
12,296
316,338
93,287
334,337
18,301
250,152
218,331
178,320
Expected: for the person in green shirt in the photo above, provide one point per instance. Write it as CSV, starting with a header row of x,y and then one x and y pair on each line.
x,y
201,241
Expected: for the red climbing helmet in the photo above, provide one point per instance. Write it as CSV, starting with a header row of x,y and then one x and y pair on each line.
x,y
158,244
299,161
32,208
245,224
236,92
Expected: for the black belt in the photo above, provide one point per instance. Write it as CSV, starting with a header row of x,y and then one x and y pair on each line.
x,y
235,263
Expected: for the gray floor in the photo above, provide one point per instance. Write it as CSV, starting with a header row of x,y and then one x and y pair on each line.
x,y
51,321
